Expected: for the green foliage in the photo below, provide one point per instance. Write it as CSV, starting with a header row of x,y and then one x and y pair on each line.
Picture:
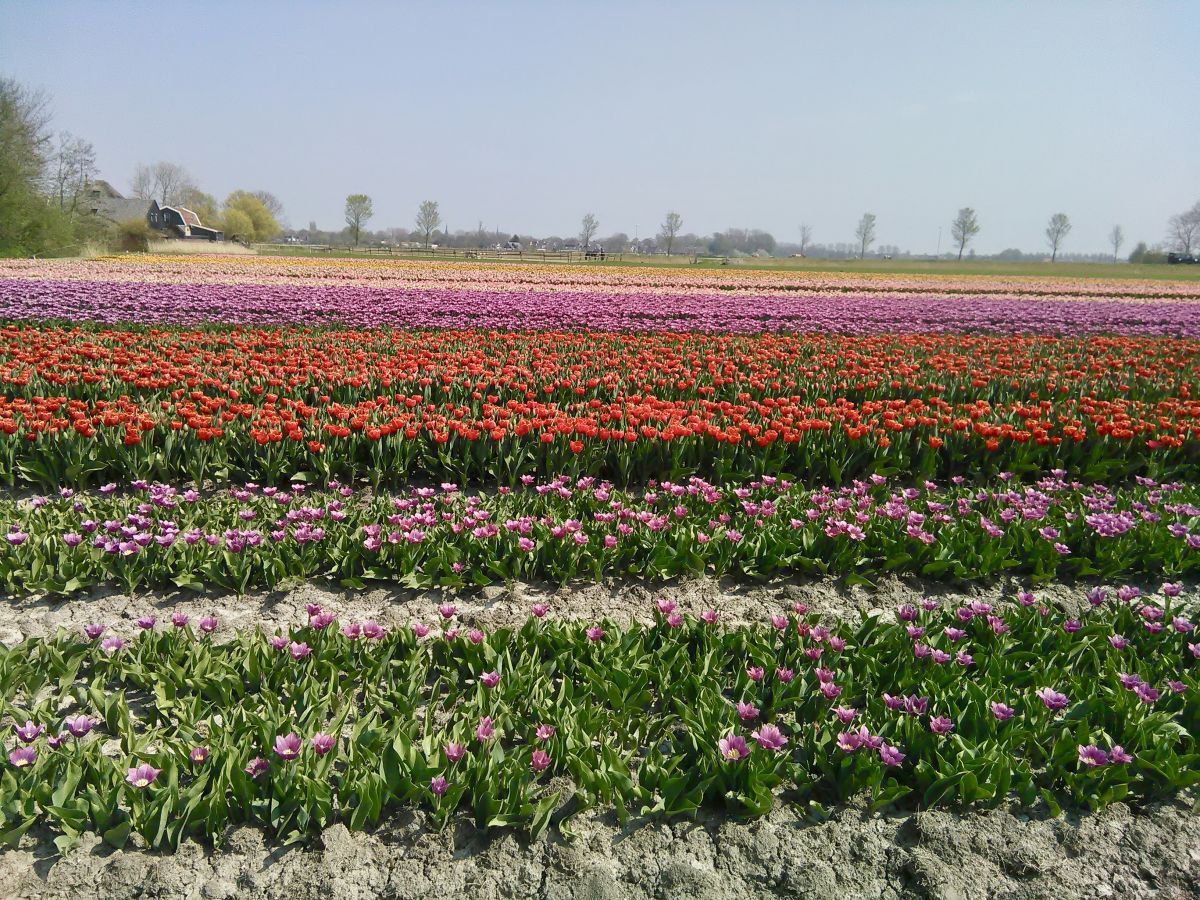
x,y
237,226
242,207
359,210
133,236
635,720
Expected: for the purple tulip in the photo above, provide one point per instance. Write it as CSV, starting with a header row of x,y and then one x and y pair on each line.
x,y
287,746
595,633
112,645
490,679
890,756
208,624
438,785
1002,711
454,752
770,737
539,761
198,754
28,732
1092,756
485,729
142,776
93,631
256,767
322,743
299,651
544,732
79,725
1117,755
940,725
1052,699
733,748
22,757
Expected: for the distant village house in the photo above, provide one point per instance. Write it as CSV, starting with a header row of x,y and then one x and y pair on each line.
x,y
176,222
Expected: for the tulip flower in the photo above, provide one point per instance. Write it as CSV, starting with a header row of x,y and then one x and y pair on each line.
x,y
1052,699
322,743
486,728
21,757
769,737
142,776
287,746
733,748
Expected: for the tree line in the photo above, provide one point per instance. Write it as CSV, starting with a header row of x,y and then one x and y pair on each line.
x,y
47,179
44,177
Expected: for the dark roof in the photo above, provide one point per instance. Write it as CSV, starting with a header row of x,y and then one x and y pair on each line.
x,y
189,217
117,209
102,188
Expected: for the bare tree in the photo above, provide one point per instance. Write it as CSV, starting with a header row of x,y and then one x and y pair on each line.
x,y
805,238
1183,230
964,227
670,229
1116,237
73,166
865,232
272,203
163,181
587,229
428,218
1057,229
358,212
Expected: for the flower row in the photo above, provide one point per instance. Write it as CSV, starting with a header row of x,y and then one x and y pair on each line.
x,y
349,721
452,305
86,405
376,272
247,537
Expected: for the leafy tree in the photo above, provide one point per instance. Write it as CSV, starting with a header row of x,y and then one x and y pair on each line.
x,y
263,226
238,226
1057,229
359,211
428,218
865,232
587,229
671,227
964,227
1138,254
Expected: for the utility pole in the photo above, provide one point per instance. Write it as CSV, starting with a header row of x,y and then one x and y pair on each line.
x,y
939,249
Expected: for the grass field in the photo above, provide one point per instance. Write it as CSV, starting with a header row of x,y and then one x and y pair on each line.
x,y
788,264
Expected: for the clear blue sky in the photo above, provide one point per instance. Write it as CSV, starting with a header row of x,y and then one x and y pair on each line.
x,y
527,115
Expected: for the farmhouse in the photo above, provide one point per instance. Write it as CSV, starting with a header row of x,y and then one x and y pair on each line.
x,y
108,203
180,222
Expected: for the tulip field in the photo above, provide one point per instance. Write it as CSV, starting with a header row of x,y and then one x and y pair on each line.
x,y
202,426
